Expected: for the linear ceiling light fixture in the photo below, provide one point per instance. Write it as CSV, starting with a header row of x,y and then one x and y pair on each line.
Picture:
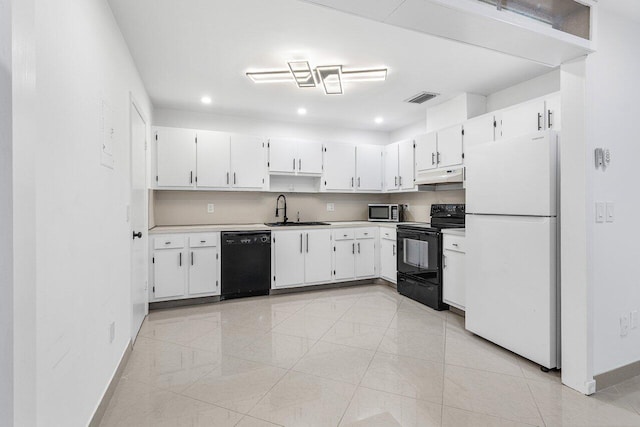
x,y
332,77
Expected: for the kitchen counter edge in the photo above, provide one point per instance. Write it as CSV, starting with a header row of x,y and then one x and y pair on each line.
x,y
168,229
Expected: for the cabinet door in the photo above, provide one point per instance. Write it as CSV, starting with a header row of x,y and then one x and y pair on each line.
x,y
247,162
339,167
176,151
288,253
388,260
365,258
478,131
426,150
391,167
213,160
282,156
453,279
369,168
449,147
169,273
554,117
344,263
203,271
318,250
309,158
406,162
522,119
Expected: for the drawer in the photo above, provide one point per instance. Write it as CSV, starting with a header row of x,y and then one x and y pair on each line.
x,y
168,242
344,234
388,233
203,240
365,233
453,243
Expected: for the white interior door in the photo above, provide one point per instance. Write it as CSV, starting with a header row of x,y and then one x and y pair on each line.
x,y
339,167
139,221
213,159
391,167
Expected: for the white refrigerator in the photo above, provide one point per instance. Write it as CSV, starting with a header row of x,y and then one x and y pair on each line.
x,y
512,245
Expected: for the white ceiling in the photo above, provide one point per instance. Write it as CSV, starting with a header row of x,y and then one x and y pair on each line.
x,y
190,48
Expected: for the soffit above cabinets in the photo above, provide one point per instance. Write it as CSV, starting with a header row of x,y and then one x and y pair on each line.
x,y
474,22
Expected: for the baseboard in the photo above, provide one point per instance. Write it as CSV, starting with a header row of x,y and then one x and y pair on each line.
x,y
616,376
106,398
324,286
161,305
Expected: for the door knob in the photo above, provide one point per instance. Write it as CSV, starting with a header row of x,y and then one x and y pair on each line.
x,y
138,235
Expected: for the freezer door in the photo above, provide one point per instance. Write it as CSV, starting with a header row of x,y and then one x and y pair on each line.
x,y
515,176
511,284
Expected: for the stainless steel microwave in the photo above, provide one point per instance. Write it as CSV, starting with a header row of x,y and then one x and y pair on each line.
x,y
385,212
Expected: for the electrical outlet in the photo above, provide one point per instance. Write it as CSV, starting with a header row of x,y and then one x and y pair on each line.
x,y
210,208
407,207
331,207
610,211
112,332
624,325
600,212
634,319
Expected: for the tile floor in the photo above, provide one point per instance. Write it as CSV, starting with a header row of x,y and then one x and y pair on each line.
x,y
358,356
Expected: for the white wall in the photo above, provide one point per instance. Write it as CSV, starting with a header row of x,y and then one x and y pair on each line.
x,y
530,89
6,220
408,131
613,89
74,259
268,128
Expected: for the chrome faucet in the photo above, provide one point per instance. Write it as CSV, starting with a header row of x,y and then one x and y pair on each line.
x,y
285,207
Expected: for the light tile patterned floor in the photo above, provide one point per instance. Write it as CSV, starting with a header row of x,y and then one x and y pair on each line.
x,y
358,356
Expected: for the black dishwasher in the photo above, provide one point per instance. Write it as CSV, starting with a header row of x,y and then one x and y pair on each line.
x,y
246,263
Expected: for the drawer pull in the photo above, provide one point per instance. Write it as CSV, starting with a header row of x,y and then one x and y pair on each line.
x,y
167,243
203,241
455,244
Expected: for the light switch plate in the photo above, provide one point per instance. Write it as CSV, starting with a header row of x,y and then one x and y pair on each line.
x,y
634,319
331,207
600,212
210,208
624,325
610,211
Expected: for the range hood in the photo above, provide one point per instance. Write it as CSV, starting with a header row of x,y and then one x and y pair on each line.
x,y
441,179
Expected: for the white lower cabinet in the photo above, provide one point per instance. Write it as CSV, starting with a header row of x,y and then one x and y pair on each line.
x,y
301,257
453,270
354,254
185,266
388,251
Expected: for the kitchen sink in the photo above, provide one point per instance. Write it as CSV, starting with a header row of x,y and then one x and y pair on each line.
x,y
293,224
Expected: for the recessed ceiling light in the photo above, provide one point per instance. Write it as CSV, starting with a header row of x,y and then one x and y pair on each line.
x,y
302,111
206,100
379,120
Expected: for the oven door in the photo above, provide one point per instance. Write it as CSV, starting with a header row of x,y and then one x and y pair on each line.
x,y
419,254
379,213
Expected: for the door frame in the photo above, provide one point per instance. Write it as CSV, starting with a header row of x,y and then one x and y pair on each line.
x,y
136,107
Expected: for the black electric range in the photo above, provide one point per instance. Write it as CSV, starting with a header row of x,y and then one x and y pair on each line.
x,y
419,258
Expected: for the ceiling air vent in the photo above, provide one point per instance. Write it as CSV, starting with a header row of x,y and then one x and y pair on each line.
x,y
421,98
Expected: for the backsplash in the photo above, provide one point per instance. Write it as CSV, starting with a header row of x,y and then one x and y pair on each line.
x,y
190,207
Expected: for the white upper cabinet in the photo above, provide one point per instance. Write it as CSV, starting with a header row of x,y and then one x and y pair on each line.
x,y
391,172
339,167
522,119
406,171
479,130
290,157
553,118
176,155
248,163
369,167
449,147
426,150
213,160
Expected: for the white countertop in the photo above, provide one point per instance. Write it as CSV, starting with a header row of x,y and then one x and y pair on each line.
x,y
454,231
261,227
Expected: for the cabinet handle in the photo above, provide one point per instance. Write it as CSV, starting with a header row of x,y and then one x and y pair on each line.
x,y
358,182
191,257
539,121
307,242
400,181
167,243
455,244
294,164
394,250
351,182
227,178
180,259
358,247
395,180
353,248
300,242
438,157
234,178
433,159
191,177
299,165
549,114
